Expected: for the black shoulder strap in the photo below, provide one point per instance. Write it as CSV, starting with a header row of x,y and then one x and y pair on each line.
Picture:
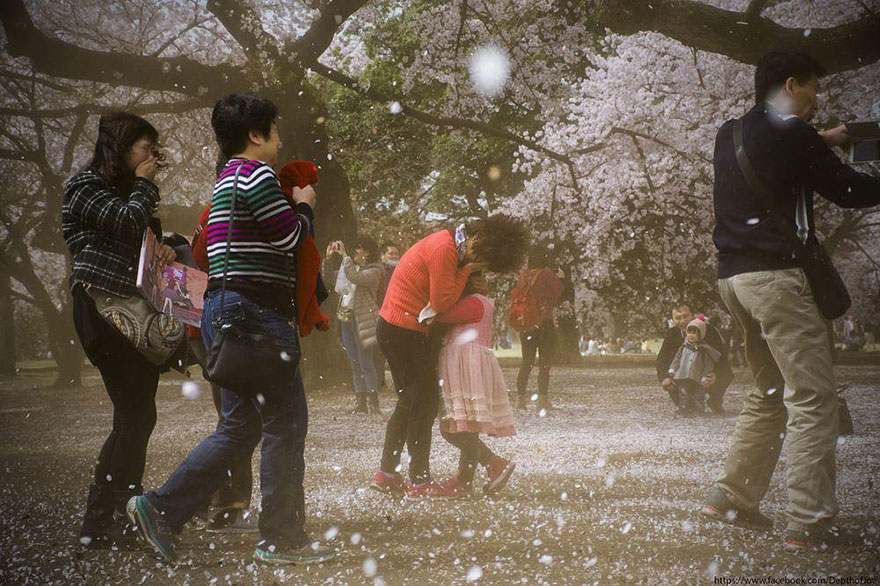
x,y
769,202
229,236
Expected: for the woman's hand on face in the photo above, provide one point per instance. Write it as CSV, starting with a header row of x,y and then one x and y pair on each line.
x,y
147,168
475,267
166,255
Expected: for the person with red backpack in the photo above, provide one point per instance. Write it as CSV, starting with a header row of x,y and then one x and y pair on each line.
x,y
531,314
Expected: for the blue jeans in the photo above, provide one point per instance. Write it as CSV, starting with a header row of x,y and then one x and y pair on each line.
x,y
280,418
363,368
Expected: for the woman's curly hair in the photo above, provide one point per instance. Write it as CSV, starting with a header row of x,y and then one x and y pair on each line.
x,y
117,133
500,241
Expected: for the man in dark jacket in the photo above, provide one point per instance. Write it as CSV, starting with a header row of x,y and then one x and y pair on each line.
x,y
762,282
717,382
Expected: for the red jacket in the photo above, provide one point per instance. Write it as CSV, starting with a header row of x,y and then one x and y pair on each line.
x,y
427,272
308,259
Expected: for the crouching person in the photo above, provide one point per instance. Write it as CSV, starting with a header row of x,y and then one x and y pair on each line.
x,y
253,239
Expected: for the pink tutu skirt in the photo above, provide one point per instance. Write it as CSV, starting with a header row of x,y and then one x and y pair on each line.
x,y
473,390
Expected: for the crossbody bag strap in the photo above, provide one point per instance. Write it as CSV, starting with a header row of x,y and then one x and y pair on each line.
x,y
758,186
229,227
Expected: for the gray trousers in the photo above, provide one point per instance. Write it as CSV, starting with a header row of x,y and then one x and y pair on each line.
x,y
787,350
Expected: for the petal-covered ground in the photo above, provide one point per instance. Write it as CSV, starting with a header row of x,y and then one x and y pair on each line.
x,y
606,492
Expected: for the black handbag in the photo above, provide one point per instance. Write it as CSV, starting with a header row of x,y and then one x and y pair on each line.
x,y
828,288
241,358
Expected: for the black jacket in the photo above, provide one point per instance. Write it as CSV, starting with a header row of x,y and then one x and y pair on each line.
x,y
673,340
790,157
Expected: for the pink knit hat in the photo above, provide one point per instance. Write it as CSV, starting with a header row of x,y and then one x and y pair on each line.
x,y
700,325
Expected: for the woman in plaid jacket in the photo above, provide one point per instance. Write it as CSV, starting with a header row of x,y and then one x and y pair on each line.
x,y
106,209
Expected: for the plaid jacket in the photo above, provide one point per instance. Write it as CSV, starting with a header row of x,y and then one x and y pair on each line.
x,y
104,231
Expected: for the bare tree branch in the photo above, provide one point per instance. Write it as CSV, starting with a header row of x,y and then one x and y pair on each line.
x,y
89,109
736,35
54,57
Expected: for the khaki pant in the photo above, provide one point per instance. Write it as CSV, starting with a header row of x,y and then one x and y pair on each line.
x,y
787,349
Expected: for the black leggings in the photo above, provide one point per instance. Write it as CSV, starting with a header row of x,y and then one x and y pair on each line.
x,y
473,452
542,341
131,382
418,397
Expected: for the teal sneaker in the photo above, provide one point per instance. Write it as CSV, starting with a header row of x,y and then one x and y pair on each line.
x,y
312,553
146,520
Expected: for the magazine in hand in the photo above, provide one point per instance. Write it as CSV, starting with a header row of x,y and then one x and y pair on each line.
x,y
177,290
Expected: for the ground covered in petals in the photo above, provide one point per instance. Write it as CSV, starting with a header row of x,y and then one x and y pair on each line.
x,y
605,491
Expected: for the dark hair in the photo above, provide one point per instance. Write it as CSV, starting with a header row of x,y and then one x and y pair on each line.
x,y
777,66
236,116
388,244
500,241
682,305
117,133
369,244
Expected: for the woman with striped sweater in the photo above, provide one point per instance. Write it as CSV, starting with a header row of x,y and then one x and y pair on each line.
x,y
266,231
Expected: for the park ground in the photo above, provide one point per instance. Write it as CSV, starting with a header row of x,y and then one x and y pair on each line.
x,y
605,492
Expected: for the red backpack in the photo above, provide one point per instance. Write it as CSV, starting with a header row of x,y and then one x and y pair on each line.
x,y
524,313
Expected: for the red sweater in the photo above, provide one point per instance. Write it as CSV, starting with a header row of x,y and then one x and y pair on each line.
x,y
427,272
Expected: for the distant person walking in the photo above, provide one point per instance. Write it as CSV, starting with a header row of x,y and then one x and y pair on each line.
x,y
541,287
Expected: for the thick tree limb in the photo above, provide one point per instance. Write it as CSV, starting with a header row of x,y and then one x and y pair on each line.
x,y
157,108
754,9
743,36
54,57
243,23
315,41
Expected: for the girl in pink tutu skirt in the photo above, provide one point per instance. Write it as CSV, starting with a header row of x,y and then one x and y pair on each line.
x,y
473,391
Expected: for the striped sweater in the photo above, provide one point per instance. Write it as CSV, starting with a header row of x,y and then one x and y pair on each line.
x,y
267,231
427,271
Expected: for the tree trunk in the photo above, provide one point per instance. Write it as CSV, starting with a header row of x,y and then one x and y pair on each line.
x,y
7,327
304,136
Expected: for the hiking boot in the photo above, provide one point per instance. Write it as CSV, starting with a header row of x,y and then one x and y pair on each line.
x,y
544,403
98,517
431,489
146,520
821,539
360,403
373,404
499,471
234,520
718,507
390,484
311,553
